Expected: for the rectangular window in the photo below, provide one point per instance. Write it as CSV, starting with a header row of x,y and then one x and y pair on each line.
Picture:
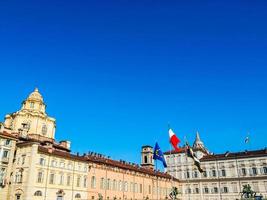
x,y
189,190
54,163
68,180
225,189
254,171
255,186
62,164
197,191
18,177
61,181
40,177
265,185
244,172
108,184
102,183
135,187
215,189
8,142
214,173
206,190
205,174
2,175
93,182
42,161
120,185
223,173
126,186
52,178
264,170
187,174
78,181
5,154
234,187
85,181
23,158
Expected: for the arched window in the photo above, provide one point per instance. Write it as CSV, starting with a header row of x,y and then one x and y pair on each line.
x,y
44,129
145,158
38,193
77,196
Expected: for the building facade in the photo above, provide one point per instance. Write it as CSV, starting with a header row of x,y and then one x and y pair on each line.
x,y
7,150
35,166
224,174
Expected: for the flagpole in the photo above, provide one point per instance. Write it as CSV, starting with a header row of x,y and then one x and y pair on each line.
x,y
249,142
187,179
172,187
171,175
157,180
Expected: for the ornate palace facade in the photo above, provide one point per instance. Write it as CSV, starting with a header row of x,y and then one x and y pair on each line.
x,y
35,166
224,174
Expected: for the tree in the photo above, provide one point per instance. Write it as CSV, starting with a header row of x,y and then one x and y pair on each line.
x,y
247,192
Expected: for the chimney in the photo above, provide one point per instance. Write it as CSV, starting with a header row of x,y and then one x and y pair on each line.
x,y
65,144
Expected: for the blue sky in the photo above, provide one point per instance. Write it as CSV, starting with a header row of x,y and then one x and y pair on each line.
x,y
114,73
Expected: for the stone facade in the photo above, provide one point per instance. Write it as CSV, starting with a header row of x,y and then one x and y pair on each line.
x,y
224,174
38,167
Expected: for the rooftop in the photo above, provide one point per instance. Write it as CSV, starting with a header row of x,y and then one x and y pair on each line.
x,y
227,155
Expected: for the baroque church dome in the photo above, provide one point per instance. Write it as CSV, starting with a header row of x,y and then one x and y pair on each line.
x,y
35,96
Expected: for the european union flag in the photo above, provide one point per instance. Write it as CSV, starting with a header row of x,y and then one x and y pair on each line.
x,y
158,155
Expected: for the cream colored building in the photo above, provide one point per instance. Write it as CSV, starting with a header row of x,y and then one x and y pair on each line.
x,y
40,168
224,174
7,149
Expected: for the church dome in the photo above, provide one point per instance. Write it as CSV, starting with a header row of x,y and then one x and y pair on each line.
x,y
35,95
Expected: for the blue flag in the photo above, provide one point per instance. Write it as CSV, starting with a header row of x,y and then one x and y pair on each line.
x,y
158,155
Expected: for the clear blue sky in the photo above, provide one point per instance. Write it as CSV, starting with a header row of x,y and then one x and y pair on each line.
x,y
114,73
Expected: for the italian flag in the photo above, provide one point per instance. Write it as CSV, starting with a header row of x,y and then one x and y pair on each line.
x,y
174,140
